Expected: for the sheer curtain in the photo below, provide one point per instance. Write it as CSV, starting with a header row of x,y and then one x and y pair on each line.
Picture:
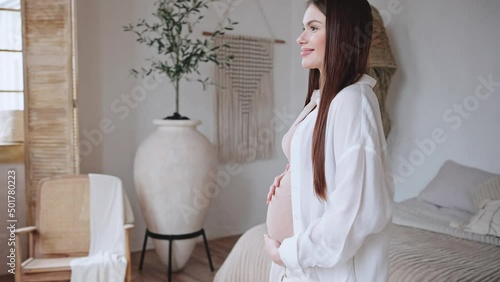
x,y
11,79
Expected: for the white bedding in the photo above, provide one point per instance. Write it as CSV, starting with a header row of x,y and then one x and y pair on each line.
x,y
419,214
487,220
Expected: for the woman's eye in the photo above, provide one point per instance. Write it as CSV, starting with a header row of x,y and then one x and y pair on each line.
x,y
313,28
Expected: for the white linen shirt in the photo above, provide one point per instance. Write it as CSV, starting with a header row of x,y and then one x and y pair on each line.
x,y
345,238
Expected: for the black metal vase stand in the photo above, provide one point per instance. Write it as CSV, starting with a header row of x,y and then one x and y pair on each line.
x,y
171,238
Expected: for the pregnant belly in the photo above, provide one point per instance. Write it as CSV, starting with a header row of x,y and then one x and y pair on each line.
x,y
279,211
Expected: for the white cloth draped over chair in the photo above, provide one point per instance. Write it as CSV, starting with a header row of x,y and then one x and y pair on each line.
x,y
109,210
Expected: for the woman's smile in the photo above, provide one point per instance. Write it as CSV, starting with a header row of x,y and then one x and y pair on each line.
x,y
306,51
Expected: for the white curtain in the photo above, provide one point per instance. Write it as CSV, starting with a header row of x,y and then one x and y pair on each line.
x,y
11,101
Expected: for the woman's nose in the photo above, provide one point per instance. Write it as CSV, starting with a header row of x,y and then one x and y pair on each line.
x,y
301,40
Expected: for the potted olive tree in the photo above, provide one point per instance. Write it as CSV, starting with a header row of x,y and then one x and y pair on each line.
x,y
174,166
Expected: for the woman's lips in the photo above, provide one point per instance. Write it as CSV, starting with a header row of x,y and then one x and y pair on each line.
x,y
306,52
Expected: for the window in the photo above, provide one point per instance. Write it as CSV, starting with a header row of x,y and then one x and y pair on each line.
x,y
11,72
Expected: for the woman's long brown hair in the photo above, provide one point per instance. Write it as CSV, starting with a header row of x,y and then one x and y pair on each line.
x,y
349,26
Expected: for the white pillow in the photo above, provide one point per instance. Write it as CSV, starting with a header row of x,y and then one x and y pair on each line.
x,y
452,185
487,220
489,189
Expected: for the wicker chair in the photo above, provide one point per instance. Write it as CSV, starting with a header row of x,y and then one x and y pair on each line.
x,y
62,230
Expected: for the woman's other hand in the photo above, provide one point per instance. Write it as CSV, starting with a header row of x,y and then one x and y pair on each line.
x,y
276,184
272,246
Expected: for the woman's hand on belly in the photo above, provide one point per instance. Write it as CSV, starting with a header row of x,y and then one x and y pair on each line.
x,y
276,184
272,252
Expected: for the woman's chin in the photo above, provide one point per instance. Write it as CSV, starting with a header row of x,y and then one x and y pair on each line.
x,y
308,65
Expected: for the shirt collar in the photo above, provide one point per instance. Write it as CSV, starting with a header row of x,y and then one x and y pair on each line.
x,y
366,79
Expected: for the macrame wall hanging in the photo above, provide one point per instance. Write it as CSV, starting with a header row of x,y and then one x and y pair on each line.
x,y
244,106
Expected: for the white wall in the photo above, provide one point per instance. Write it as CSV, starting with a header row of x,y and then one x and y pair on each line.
x,y
442,48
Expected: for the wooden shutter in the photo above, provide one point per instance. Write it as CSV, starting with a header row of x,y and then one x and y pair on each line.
x,y
51,134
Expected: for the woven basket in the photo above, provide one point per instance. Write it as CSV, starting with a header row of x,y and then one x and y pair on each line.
x,y
381,66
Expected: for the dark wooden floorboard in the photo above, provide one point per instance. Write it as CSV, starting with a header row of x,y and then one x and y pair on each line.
x,y
197,268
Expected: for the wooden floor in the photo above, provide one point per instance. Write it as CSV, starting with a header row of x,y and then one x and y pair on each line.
x,y
197,268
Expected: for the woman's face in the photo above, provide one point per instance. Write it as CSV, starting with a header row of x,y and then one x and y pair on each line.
x,y
312,40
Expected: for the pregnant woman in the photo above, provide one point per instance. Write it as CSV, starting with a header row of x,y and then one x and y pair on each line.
x,y
279,213
329,211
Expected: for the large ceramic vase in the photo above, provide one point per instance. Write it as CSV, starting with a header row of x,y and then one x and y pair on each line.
x,y
174,175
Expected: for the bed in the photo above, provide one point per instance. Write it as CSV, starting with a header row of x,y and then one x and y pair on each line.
x,y
428,244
